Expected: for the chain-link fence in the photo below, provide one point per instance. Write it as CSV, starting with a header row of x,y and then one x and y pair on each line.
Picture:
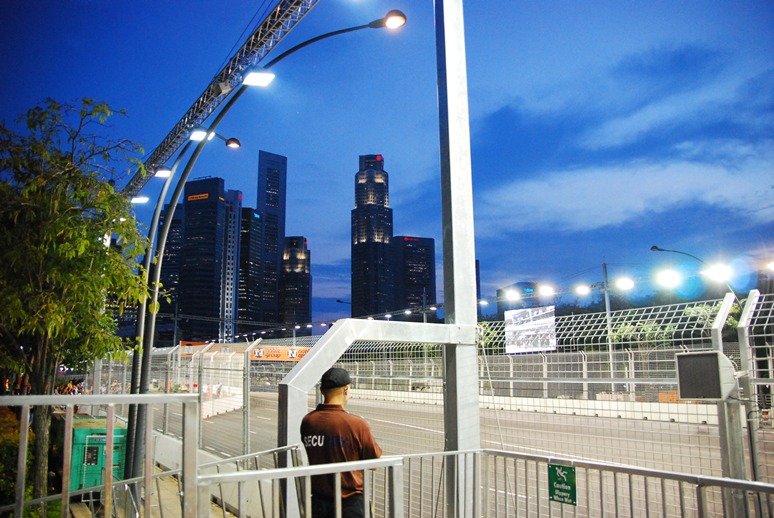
x,y
607,391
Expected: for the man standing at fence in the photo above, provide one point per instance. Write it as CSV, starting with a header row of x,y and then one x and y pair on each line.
x,y
331,434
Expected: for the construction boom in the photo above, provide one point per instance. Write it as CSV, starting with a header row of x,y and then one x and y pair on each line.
x,y
269,33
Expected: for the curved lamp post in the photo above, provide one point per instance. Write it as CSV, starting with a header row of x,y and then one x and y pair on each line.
x,y
392,20
725,281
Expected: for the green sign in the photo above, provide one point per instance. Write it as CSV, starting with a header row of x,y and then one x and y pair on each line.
x,y
561,484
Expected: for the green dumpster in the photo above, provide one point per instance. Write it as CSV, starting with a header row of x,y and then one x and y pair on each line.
x,y
89,454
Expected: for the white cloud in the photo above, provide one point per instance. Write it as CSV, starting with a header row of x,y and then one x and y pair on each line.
x,y
595,197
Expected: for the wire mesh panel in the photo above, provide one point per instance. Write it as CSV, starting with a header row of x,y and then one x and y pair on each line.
x,y
761,336
609,396
398,389
599,394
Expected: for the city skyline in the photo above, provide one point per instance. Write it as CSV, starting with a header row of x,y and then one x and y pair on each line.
x,y
597,130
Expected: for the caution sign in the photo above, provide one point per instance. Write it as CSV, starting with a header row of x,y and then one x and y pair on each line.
x,y
561,484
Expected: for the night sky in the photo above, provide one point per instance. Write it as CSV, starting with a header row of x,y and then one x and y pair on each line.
x,y
598,128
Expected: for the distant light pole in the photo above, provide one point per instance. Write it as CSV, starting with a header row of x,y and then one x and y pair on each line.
x,y
255,77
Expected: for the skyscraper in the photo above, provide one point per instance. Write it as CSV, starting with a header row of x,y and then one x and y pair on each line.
x,y
412,267
230,290
207,270
272,188
250,247
296,282
170,266
371,235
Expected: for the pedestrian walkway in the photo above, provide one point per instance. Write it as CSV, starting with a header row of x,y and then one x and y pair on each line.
x,y
165,503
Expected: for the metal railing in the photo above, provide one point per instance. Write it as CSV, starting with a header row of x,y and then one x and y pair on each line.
x,y
496,483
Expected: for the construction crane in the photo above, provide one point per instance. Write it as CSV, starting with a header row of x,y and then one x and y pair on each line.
x,y
280,21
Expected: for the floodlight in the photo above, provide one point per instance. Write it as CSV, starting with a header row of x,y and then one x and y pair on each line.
x,y
668,278
257,76
163,172
718,272
583,289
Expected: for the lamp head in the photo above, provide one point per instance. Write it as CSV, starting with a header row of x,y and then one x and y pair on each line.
x,y
257,76
198,134
233,143
655,248
393,20
162,172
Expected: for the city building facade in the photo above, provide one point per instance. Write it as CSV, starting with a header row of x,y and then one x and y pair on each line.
x,y
413,272
271,204
371,236
296,283
207,280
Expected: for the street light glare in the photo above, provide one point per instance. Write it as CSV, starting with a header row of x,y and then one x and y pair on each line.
x,y
624,283
139,200
718,272
583,290
668,278
546,291
512,295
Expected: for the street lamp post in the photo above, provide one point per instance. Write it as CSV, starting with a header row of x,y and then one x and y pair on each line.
x,y
393,19
729,418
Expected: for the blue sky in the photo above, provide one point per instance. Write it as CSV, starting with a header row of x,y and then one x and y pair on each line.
x,y
598,128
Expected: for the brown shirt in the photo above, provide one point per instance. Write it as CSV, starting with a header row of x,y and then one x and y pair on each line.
x,y
331,434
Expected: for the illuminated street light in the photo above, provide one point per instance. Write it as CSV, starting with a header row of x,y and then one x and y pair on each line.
x,y
139,200
668,278
624,283
583,290
512,295
545,290
718,272
199,134
162,172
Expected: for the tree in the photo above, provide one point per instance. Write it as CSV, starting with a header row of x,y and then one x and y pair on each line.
x,y
58,211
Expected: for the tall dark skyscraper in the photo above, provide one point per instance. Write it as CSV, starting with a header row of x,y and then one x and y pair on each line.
x,y
371,236
296,282
170,266
207,280
272,189
230,289
412,267
250,247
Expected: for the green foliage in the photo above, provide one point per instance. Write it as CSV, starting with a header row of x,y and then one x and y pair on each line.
x,y
644,335
9,446
706,314
58,206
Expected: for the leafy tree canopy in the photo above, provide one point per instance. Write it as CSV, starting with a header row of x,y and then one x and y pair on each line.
x,y
58,212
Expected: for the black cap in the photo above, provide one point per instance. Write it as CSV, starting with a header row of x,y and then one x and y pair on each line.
x,y
335,377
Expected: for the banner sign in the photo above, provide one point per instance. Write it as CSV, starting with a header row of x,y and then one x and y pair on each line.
x,y
279,353
530,330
